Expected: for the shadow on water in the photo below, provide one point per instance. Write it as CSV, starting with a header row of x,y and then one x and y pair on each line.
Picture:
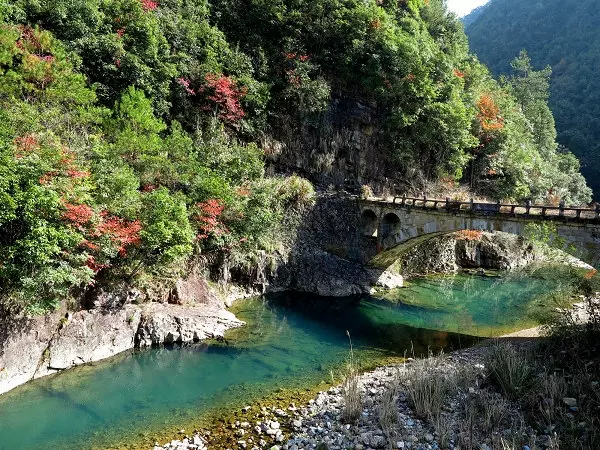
x,y
374,323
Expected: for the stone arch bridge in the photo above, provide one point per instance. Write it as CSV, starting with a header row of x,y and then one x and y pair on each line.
x,y
397,221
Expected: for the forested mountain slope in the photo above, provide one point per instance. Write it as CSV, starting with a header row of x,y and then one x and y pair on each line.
x,y
135,134
475,14
564,34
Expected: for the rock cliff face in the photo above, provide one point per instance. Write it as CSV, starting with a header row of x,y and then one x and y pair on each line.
x,y
40,346
448,253
345,143
329,254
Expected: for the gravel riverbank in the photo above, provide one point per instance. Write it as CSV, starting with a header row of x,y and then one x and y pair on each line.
x,y
319,425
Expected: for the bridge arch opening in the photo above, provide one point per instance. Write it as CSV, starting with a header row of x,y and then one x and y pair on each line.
x,y
368,222
390,225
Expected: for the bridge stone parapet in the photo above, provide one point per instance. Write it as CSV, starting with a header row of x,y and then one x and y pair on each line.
x,y
393,222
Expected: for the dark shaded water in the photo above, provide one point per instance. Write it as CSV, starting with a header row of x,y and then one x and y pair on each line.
x,y
291,341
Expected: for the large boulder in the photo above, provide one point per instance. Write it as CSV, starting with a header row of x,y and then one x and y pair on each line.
x,y
164,324
32,347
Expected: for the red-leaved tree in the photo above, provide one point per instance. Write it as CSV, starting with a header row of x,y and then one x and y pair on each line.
x,y
489,114
224,96
207,218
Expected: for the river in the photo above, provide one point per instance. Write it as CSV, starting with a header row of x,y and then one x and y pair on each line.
x,y
291,341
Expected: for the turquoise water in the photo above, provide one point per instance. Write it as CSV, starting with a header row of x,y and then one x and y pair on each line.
x,y
291,341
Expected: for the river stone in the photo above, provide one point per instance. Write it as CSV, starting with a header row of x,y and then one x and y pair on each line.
x,y
162,324
34,347
23,341
388,280
377,441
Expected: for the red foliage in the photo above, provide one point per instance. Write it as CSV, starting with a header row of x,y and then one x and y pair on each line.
x,y
224,93
78,215
208,218
47,177
29,36
469,235
73,172
243,192
410,77
117,62
293,78
458,73
589,275
149,5
25,144
375,24
121,32
149,187
185,83
292,56
92,264
89,245
121,232
489,114
46,58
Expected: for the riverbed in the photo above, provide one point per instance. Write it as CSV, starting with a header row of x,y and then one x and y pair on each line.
x,y
292,341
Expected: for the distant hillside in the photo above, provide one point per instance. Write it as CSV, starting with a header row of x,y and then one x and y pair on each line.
x,y
475,14
564,34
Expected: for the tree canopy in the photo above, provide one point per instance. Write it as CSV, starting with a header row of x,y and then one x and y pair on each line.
x,y
133,132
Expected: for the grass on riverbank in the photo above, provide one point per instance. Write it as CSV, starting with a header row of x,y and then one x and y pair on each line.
x,y
543,394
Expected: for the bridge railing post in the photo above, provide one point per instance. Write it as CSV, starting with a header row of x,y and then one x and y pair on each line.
x,y
497,206
597,215
424,201
527,206
403,199
447,203
561,208
471,204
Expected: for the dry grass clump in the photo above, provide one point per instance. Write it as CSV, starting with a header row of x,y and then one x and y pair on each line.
x,y
353,404
387,410
427,388
366,191
509,369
